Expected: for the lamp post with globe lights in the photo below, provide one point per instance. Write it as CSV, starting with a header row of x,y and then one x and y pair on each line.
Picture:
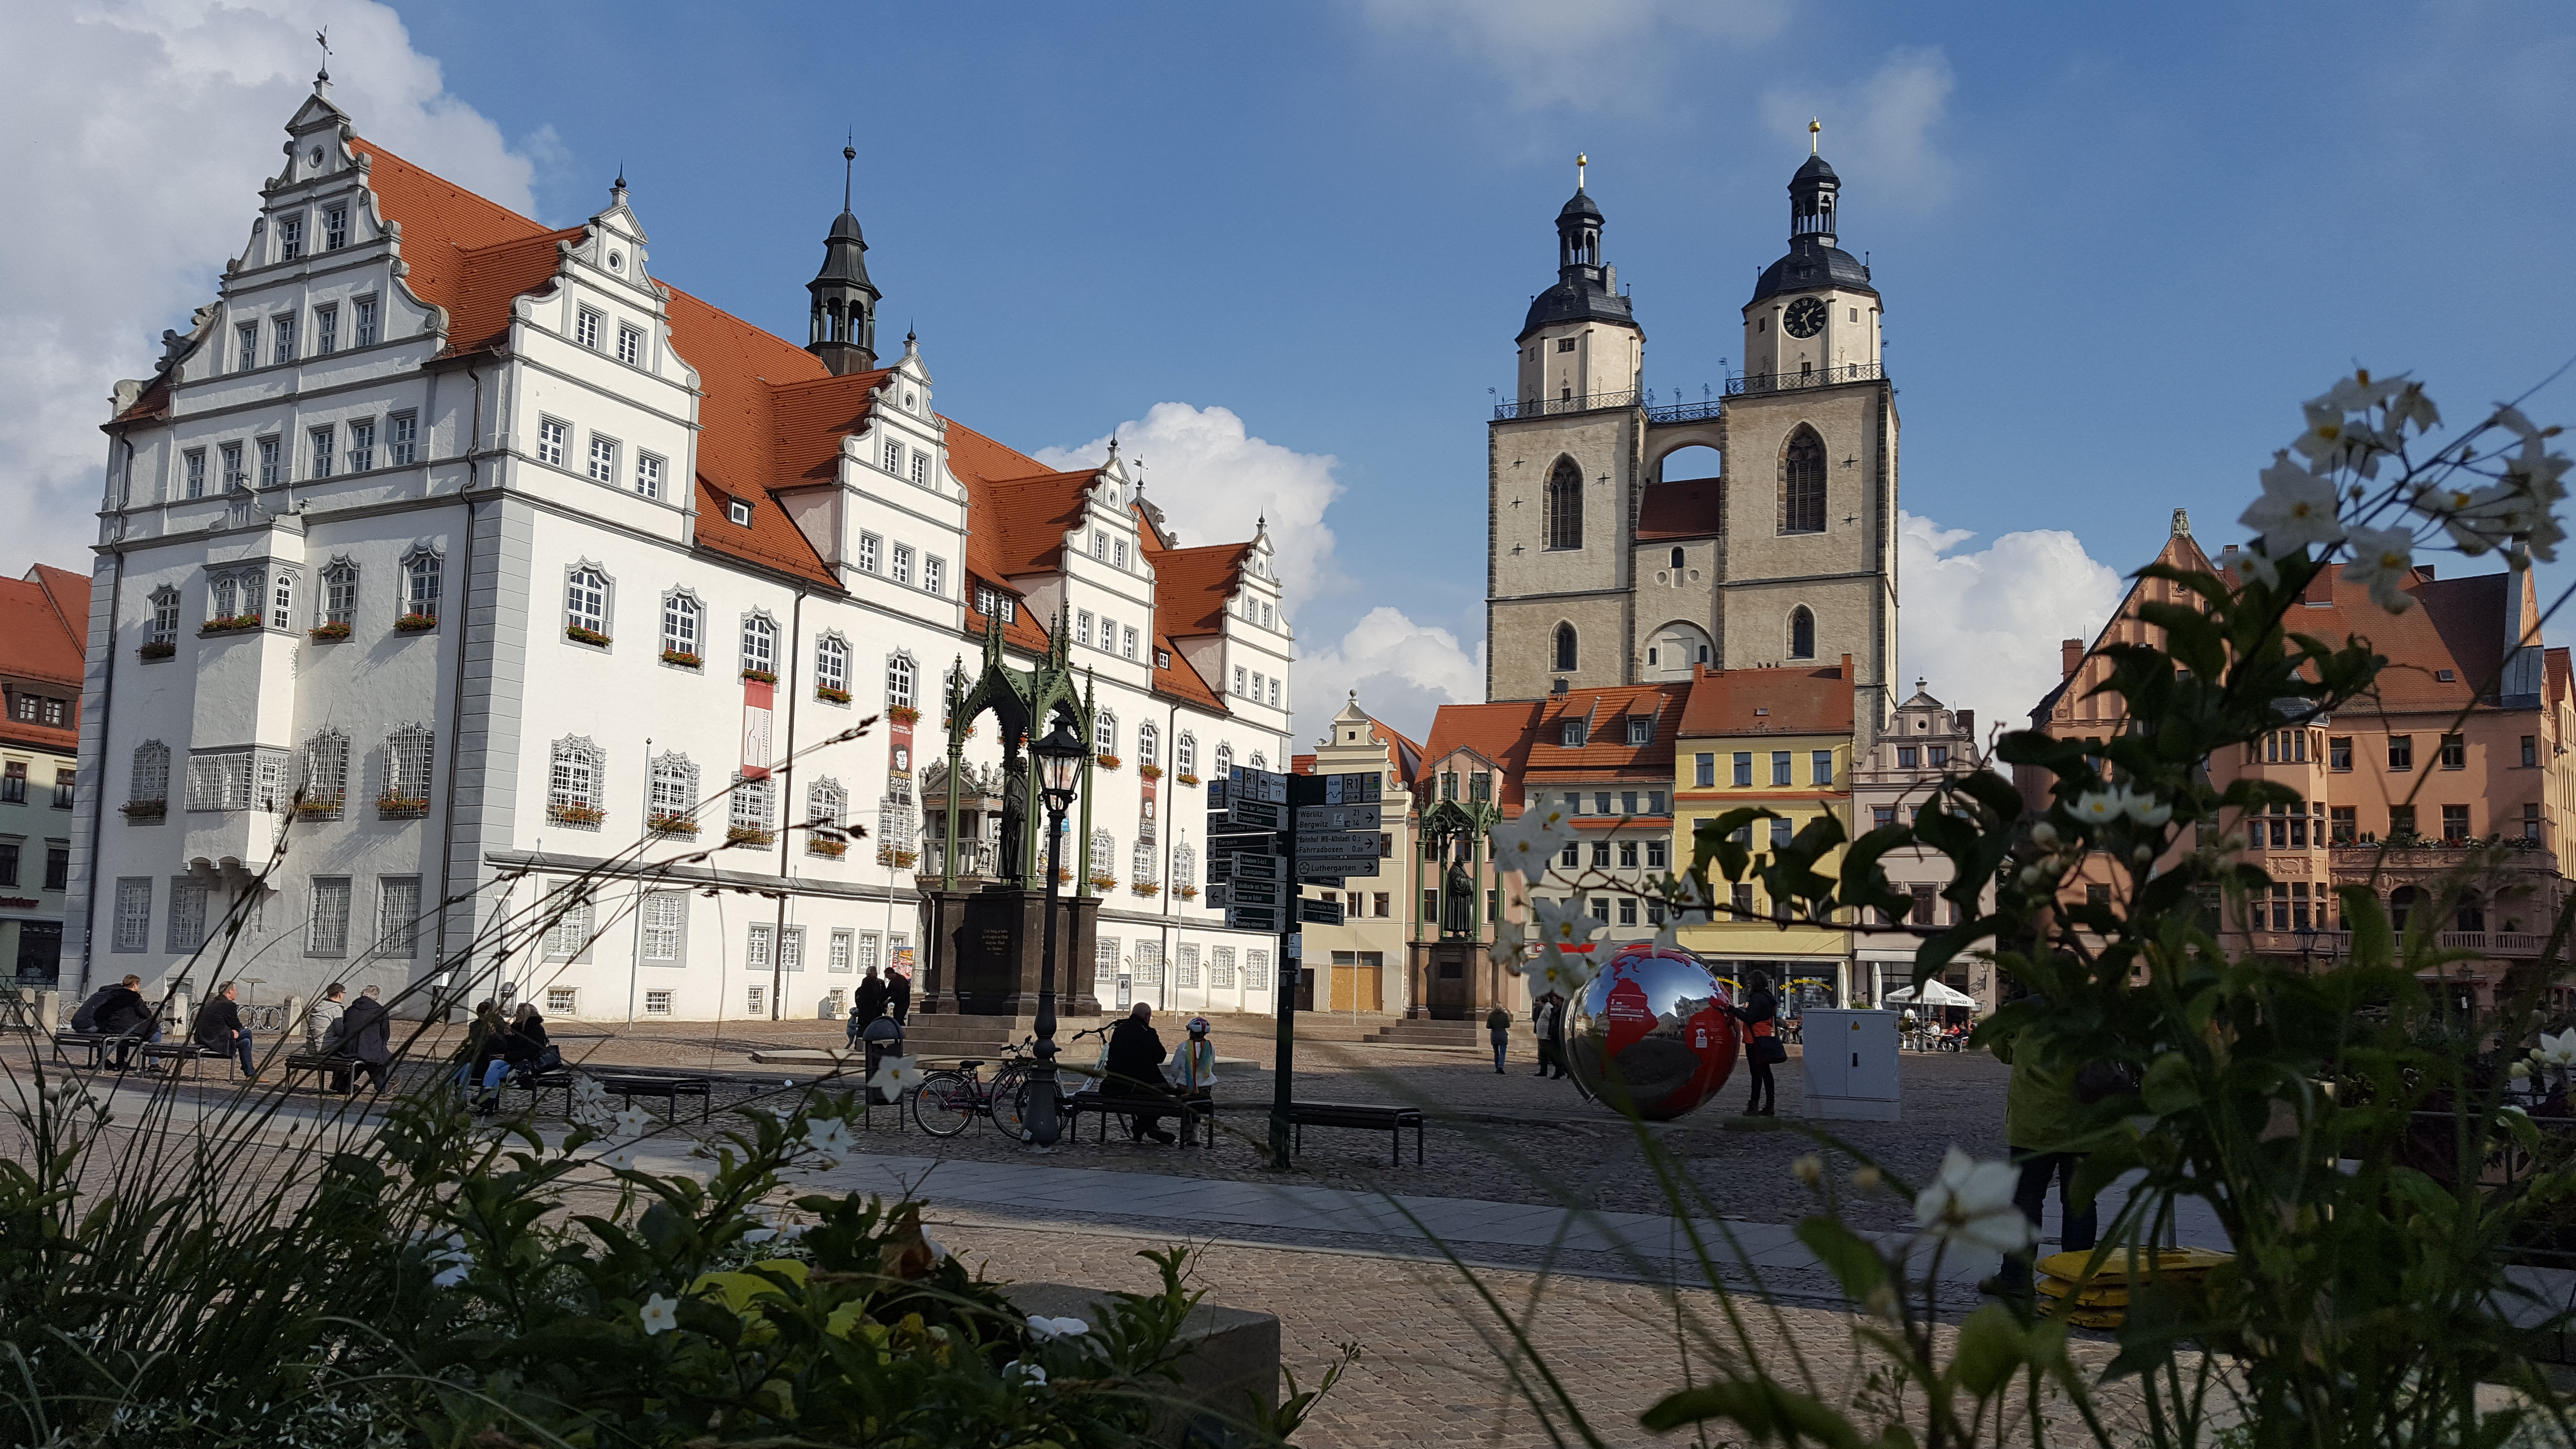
x,y
1060,756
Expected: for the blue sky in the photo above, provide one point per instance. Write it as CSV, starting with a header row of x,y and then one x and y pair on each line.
x,y
2117,244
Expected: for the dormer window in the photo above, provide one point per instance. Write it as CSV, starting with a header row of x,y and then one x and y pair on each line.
x,y
1641,729
1571,733
738,512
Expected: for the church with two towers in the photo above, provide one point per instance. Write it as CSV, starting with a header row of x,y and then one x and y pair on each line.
x,y
1604,571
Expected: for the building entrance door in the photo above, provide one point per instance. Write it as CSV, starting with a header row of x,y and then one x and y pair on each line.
x,y
1359,981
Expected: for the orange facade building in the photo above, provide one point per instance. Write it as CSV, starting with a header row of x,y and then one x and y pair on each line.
x,y
2458,762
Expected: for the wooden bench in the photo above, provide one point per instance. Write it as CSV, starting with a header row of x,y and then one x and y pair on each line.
x,y
1363,1116
670,1089
1110,1103
182,1054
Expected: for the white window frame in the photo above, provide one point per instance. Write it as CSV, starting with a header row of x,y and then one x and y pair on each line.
x,y
363,332
335,228
648,474
410,751
630,346
934,575
553,436
603,459
339,596
683,625
586,323
575,766
871,548
193,472
666,928
326,331
589,600
1149,743
423,578
832,662
1104,732
671,787
402,432
322,438
165,616
360,456
398,916
1127,641
903,677
759,643
902,563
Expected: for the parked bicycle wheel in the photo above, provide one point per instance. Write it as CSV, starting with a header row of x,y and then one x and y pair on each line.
x,y
945,1105
1011,1098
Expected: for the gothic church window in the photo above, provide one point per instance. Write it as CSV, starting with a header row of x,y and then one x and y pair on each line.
x,y
1565,505
1565,653
1802,483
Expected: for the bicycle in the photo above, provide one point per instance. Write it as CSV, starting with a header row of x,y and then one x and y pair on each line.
x,y
952,1098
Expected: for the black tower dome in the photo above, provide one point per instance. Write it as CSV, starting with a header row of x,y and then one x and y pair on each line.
x,y
1814,262
1582,292
845,301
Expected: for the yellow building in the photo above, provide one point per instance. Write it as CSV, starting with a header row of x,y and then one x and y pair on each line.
x,y
1779,740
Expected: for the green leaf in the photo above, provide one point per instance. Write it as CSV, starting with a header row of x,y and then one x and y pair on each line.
x,y
1853,1262
1990,1348
1864,883
1763,1409
2171,1087
2373,942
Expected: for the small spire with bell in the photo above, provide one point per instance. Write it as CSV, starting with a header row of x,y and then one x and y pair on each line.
x,y
844,300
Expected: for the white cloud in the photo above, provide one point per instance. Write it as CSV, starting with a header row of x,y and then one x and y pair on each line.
x,y
1984,626
1403,672
141,134
1879,132
1595,56
1215,483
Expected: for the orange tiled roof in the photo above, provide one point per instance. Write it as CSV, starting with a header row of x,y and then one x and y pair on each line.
x,y
1686,508
1026,518
1499,733
1605,750
2457,625
1809,701
152,405
1193,585
1301,764
2556,660
461,251
44,621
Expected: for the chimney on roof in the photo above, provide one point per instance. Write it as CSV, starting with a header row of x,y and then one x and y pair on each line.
x,y
2070,654
1559,687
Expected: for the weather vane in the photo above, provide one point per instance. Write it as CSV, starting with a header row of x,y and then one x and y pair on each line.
x,y
322,38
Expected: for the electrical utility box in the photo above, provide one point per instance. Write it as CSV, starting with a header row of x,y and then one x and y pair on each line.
x,y
1850,1058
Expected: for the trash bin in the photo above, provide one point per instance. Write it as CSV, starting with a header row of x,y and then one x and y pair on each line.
x,y
883,1038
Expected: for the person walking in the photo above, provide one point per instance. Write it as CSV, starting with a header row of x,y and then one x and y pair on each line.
x,y
2041,1109
1498,1025
220,1029
899,996
366,1038
1135,1069
322,1023
1761,1042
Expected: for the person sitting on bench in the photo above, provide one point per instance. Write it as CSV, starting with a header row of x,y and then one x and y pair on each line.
x,y
1135,1070
1192,1069
366,1038
119,1011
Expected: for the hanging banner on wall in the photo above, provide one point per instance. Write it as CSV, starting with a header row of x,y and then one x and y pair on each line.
x,y
757,698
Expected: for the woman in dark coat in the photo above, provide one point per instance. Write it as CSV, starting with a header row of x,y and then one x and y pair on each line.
x,y
482,1047
1759,1007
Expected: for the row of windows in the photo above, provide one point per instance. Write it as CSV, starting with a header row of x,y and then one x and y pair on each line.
x,y
2300,747
265,779
13,784
328,931
287,340
1635,729
1254,689
1267,616
1799,636
58,865
554,441
1820,768
2288,827
28,707
897,563
911,463
1656,853
333,225
332,449
1114,637
1146,970
262,595
1628,801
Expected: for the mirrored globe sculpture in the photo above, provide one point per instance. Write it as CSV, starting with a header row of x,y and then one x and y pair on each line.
x,y
1651,1033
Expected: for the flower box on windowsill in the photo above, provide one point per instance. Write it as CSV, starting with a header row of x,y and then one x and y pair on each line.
x,y
1104,883
682,658
1186,778
1106,762
825,845
680,825
899,859
904,714
328,633
580,817
580,635
319,807
1187,893
760,676
390,806
145,809
1146,888
230,624
748,835
157,649
415,623
829,695
1063,877
1149,771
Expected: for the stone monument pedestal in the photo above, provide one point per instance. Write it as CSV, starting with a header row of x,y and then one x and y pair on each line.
x,y
986,946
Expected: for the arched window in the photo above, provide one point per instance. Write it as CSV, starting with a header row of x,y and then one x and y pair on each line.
x,y
674,802
572,786
339,595
1802,483
1565,505
680,628
1565,653
1149,740
759,646
586,605
326,773
281,600
1224,762
1185,755
421,571
2401,904
1142,870
1677,558
1260,761
899,673
151,773
832,669
165,616
1802,633
1104,734
824,803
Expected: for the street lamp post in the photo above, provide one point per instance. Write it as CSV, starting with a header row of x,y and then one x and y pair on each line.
x,y
1059,756
2307,935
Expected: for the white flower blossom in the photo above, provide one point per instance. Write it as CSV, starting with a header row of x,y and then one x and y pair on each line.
x,y
2334,441
2557,1051
2253,565
830,1138
2298,508
1970,1205
2519,1071
2383,560
895,1076
2143,807
2100,807
633,1121
1027,1373
1511,949
938,1249
1053,1328
1525,846
619,1159
660,1314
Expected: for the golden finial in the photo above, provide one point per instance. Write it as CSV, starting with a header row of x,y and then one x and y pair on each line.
x,y
1580,160
1815,130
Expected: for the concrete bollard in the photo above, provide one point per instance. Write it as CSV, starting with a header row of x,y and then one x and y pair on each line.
x,y
49,1011
295,1007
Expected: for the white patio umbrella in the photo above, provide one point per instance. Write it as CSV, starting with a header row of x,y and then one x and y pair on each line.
x,y
1934,994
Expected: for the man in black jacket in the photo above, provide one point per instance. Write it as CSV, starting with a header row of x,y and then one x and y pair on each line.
x,y
1135,1068
220,1029
366,1037
119,1011
898,996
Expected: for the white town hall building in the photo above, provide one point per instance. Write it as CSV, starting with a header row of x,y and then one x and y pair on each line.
x,y
462,555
